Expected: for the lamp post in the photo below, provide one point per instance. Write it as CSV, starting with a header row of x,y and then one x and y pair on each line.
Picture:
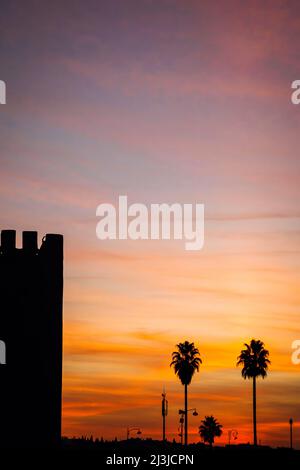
x,y
164,412
291,432
232,433
181,421
129,429
180,429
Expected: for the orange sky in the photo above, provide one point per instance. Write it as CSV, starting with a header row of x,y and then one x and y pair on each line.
x,y
164,102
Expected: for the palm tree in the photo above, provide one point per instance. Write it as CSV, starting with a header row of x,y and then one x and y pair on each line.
x,y
209,429
186,360
255,362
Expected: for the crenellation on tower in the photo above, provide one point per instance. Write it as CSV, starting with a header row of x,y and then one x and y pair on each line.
x,y
31,295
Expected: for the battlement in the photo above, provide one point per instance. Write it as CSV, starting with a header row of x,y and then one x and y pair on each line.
x,y
31,302
29,242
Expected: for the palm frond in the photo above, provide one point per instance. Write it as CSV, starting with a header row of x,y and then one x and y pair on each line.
x,y
254,359
186,360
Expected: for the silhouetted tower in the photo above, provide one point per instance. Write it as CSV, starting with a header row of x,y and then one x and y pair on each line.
x,y
31,294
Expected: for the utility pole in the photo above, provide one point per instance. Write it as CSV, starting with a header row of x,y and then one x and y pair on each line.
x,y
291,432
164,412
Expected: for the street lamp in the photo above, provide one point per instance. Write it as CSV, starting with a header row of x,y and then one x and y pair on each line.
x,y
133,429
232,433
181,421
180,429
182,412
291,432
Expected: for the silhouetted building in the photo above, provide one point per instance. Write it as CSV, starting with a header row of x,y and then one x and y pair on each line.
x,y
31,293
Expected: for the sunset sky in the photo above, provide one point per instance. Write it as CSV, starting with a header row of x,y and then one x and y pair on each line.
x,y
162,101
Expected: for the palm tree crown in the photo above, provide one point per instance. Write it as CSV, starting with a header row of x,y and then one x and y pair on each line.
x,y
186,361
254,360
209,429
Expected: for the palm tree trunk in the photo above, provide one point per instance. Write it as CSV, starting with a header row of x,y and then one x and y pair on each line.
x,y
185,415
254,412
